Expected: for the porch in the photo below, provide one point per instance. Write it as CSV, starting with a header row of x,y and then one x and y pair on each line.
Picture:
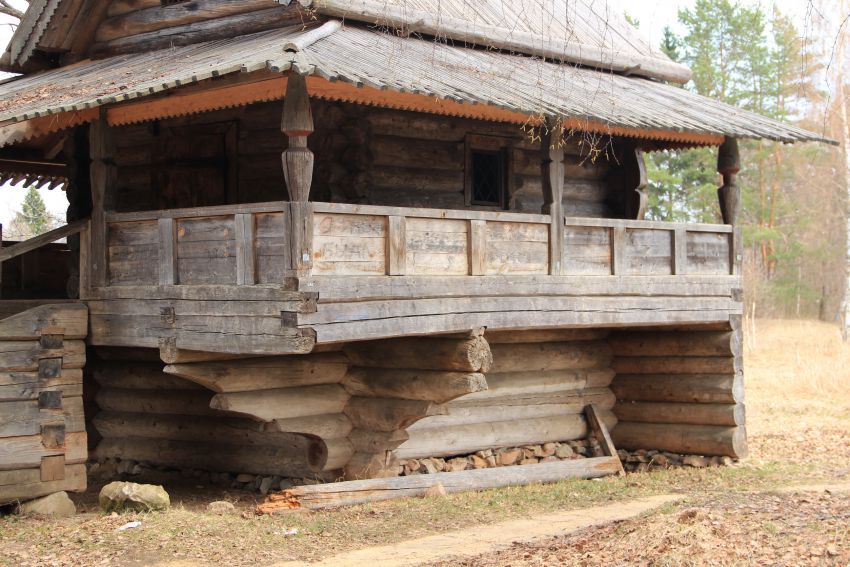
x,y
249,279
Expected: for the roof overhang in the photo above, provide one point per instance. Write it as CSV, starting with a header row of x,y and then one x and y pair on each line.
x,y
369,67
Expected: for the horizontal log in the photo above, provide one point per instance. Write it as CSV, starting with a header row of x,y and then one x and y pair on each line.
x,y
206,456
426,385
22,418
67,319
545,335
539,357
518,384
284,403
162,16
686,388
27,451
23,356
425,353
462,440
326,455
682,438
354,492
387,414
17,386
158,402
326,426
264,373
696,414
218,429
660,343
470,414
138,376
375,442
674,365
26,484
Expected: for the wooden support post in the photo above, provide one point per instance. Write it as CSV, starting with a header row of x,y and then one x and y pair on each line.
x,y
246,256
680,252
736,247
598,428
167,254
552,171
397,246
728,165
618,250
103,178
85,254
298,161
478,248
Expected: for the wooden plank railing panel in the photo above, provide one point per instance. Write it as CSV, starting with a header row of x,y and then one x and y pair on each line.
x,y
206,250
132,253
43,239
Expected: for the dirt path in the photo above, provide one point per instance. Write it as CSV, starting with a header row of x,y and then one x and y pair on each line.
x,y
487,539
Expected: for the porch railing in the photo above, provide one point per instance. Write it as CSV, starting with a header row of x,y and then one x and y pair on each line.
x,y
250,244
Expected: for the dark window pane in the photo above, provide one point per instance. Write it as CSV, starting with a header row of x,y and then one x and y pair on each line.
x,y
487,177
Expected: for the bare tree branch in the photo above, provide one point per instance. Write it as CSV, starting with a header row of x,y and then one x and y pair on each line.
x,y
9,10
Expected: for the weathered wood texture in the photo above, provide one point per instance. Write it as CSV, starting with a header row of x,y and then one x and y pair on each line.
x,y
364,491
680,391
42,426
537,392
150,416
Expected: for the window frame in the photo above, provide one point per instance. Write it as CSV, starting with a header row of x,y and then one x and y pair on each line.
x,y
489,144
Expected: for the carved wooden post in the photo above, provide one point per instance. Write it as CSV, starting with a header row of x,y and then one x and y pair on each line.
x,y
298,160
728,165
636,198
103,177
552,171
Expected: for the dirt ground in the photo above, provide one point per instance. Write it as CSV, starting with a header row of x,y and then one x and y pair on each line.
x,y
798,389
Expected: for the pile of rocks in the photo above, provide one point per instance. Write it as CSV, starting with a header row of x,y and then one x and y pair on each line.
x,y
129,469
505,457
644,460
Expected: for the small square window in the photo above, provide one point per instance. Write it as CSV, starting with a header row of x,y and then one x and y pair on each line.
x,y
488,177
487,171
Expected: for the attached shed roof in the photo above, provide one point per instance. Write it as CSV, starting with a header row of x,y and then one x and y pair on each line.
x,y
468,80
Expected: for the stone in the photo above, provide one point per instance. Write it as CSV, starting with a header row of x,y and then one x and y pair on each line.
x,y
56,505
531,461
527,453
436,491
245,478
457,464
550,459
431,466
695,461
125,467
727,461
549,449
564,452
485,453
285,483
266,485
510,457
478,462
221,508
714,461
491,461
119,496
660,460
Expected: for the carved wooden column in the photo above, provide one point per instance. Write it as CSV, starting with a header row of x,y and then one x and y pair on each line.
x,y
103,178
552,172
298,161
636,179
728,165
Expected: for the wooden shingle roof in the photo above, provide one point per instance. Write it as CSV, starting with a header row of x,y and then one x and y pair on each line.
x,y
386,63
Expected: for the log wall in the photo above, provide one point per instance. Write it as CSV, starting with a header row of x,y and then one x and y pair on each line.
x,y
538,386
149,416
363,155
680,391
42,428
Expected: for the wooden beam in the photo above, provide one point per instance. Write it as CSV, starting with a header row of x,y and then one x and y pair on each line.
x,y
246,254
103,178
338,494
478,247
43,239
680,251
167,253
552,173
597,426
618,250
397,246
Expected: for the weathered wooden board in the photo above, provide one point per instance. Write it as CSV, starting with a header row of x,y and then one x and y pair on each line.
x,y
69,320
22,418
707,253
27,451
26,484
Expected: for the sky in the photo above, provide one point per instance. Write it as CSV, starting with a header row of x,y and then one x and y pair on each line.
x,y
653,15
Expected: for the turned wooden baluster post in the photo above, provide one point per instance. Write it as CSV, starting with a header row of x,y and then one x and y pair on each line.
x,y
552,171
298,160
728,165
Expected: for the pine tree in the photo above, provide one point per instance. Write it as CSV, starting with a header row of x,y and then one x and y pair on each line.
x,y
34,213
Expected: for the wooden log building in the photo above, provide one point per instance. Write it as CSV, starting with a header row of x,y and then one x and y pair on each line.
x,y
317,237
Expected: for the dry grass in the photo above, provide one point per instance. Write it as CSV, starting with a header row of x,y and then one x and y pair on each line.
x,y
799,422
